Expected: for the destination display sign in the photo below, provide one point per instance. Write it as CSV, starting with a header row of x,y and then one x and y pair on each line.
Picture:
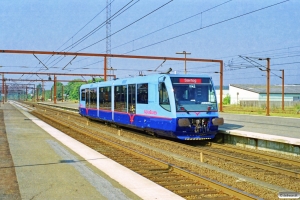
x,y
190,80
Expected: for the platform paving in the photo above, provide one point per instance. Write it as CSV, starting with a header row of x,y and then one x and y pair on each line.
x,y
271,125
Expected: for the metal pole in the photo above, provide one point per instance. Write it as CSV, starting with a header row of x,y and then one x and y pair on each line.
x,y
282,77
221,86
54,90
184,52
37,94
6,92
105,67
3,89
184,62
62,93
268,87
43,92
33,97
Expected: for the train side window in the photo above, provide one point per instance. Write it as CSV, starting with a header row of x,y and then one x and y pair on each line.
x,y
93,98
82,95
131,98
87,98
121,98
164,101
105,98
142,93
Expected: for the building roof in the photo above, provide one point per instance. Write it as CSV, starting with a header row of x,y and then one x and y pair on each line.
x,y
274,89
225,87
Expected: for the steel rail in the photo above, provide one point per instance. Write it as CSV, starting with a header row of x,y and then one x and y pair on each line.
x,y
258,154
275,169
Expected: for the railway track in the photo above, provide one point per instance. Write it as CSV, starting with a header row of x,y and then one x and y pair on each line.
x,y
271,162
214,155
178,180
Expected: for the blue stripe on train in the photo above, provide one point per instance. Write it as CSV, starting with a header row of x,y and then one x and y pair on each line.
x,y
161,126
147,122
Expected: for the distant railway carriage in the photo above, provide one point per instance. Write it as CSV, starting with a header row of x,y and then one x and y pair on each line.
x,y
170,105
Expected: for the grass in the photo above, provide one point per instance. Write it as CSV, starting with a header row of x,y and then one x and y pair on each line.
x,y
275,111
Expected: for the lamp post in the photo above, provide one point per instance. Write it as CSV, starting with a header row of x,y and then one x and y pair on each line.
x,y
54,87
268,85
184,52
282,98
3,89
221,86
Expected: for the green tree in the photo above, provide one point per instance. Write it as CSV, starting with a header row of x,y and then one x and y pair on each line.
x,y
226,99
72,89
48,94
95,80
59,94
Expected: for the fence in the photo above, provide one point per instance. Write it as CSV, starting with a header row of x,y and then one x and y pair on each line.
x,y
273,104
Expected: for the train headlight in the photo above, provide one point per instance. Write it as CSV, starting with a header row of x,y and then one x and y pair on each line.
x,y
184,122
218,121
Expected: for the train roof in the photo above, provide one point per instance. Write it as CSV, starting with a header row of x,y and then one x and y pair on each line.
x,y
142,79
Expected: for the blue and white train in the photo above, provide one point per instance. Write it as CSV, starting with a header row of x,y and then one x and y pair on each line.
x,y
168,105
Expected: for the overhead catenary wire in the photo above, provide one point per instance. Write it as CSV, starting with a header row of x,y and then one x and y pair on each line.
x,y
213,24
243,14
197,14
119,12
170,25
94,30
126,26
79,30
86,24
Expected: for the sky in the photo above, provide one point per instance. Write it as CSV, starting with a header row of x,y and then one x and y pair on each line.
x,y
239,32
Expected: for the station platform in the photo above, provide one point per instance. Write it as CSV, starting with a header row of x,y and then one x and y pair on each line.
x,y
50,165
269,128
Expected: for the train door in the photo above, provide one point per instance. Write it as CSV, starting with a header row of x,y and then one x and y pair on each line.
x,y
120,100
132,98
82,104
87,97
164,100
93,102
105,104
82,98
120,103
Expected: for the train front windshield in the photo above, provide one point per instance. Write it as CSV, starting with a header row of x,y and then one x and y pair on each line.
x,y
194,94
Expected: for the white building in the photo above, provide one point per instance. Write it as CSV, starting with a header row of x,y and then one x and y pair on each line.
x,y
225,92
246,92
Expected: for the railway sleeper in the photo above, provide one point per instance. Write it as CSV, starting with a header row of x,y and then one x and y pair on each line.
x,y
138,169
142,165
177,183
198,193
160,179
150,173
270,173
127,160
217,198
195,187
